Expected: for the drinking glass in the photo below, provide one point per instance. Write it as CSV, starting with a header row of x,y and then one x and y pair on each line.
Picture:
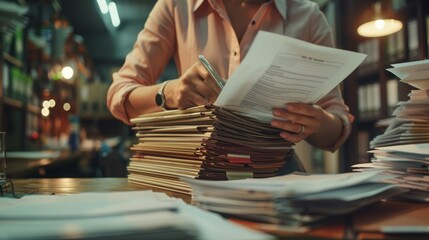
x,y
2,157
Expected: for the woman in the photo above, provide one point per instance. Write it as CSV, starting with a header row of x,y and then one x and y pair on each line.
x,y
223,30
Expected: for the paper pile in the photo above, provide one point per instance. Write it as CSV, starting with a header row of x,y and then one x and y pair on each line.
x,y
403,149
411,118
115,215
290,200
203,142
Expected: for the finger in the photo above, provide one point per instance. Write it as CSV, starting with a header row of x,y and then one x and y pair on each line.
x,y
208,79
294,117
197,99
200,88
302,130
187,94
209,93
204,85
291,137
304,109
192,99
212,85
195,88
194,91
289,126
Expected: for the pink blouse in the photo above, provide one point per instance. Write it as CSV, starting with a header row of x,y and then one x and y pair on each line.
x,y
184,29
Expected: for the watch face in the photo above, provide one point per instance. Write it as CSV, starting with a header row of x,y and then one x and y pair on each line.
x,y
159,99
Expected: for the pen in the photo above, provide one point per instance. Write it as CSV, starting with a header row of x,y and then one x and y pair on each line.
x,y
220,82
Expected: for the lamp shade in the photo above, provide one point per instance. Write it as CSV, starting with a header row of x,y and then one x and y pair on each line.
x,y
379,26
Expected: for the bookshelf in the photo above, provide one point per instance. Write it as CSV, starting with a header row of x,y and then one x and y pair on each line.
x,y
35,45
371,92
15,83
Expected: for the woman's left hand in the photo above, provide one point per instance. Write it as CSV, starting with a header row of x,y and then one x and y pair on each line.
x,y
298,120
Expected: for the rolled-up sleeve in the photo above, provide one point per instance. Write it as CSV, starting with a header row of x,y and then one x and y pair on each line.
x,y
152,50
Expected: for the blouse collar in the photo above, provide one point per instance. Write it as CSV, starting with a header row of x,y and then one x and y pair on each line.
x,y
280,5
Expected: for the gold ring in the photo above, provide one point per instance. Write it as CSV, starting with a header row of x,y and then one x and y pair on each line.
x,y
302,130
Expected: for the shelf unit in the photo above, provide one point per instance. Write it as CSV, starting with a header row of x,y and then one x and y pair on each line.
x,y
371,91
29,54
46,44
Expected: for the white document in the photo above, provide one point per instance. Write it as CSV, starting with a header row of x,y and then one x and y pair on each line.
x,y
279,69
289,185
413,73
421,149
84,205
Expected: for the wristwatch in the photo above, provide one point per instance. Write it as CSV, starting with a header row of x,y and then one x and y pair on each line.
x,y
160,97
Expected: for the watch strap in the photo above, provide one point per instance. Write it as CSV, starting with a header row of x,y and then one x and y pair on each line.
x,y
161,96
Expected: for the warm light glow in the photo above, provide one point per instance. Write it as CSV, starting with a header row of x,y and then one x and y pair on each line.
x,y
45,112
379,28
379,24
45,104
44,161
66,107
52,103
114,16
103,6
67,72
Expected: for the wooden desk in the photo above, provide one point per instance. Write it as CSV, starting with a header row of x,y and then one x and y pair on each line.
x,y
24,166
395,215
62,186
363,224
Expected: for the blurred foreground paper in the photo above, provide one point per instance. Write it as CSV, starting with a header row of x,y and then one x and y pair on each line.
x,y
116,215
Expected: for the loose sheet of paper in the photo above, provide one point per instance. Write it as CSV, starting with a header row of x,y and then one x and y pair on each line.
x,y
279,69
413,73
418,149
291,184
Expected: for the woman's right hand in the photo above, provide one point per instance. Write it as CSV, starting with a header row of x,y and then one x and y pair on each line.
x,y
195,87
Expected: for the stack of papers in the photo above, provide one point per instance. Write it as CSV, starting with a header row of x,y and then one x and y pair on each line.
x,y
291,200
116,215
204,142
406,165
411,118
402,150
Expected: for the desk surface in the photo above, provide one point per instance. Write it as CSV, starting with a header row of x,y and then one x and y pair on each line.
x,y
20,164
62,186
363,224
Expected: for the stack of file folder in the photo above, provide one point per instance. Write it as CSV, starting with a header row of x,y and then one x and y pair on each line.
x,y
295,200
403,149
205,142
